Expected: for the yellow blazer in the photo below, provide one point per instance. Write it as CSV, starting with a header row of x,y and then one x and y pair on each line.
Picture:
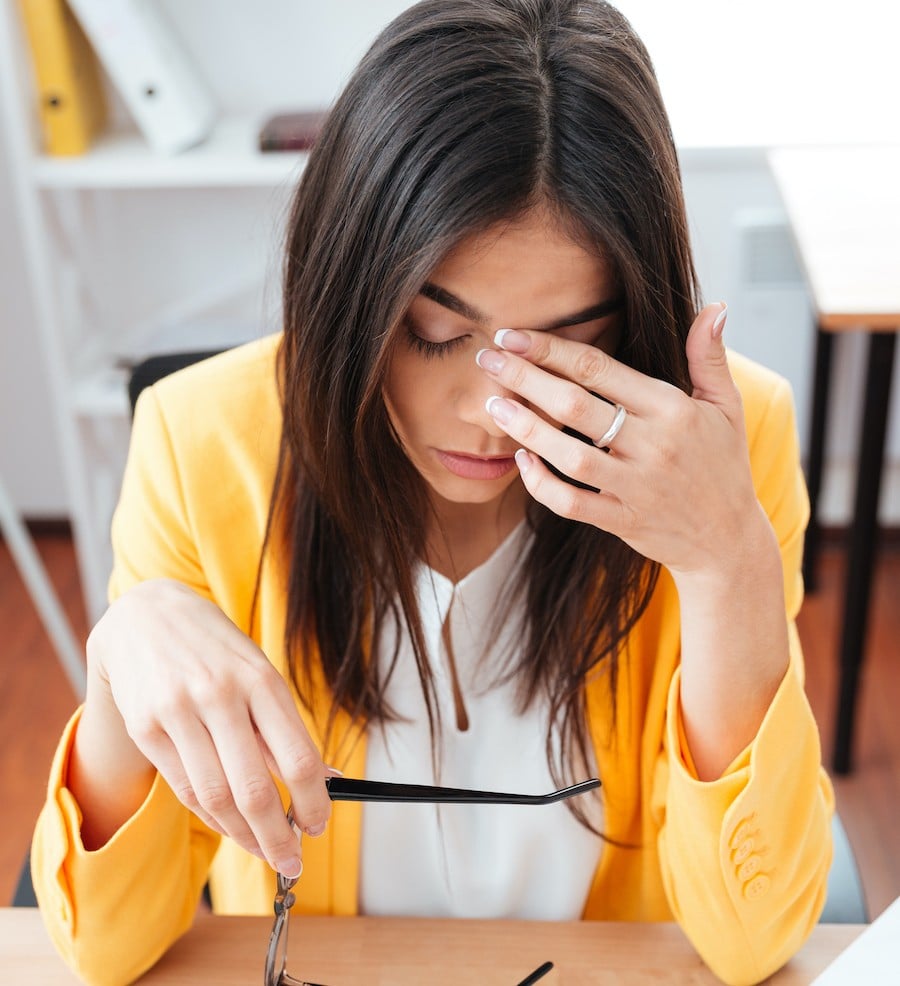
x,y
740,862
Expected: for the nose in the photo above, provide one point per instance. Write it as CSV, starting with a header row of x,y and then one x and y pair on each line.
x,y
477,387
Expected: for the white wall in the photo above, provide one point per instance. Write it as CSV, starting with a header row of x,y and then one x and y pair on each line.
x,y
774,71
777,71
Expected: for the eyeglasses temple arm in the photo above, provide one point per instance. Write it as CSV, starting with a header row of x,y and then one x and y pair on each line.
x,y
353,789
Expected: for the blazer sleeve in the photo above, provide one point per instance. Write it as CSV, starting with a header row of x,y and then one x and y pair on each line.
x,y
745,858
112,912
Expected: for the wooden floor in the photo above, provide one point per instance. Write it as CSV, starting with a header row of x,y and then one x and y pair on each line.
x,y
36,701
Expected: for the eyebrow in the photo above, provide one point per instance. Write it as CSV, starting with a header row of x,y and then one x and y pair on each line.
x,y
450,301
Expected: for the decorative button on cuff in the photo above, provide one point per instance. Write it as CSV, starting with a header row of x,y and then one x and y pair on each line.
x,y
742,852
740,833
749,868
757,887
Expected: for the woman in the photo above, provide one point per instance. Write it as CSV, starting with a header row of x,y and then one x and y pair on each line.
x,y
496,510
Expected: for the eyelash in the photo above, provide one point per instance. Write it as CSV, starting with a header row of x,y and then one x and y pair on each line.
x,y
430,349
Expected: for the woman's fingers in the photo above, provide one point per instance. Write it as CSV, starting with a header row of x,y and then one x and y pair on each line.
x,y
571,456
254,804
210,784
217,769
162,752
583,369
203,704
521,364
602,510
677,484
297,760
564,402
708,362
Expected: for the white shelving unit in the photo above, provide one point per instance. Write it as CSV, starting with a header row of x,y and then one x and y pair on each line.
x,y
61,203
229,158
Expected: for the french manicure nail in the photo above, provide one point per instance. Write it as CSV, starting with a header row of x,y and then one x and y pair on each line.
x,y
290,868
490,360
719,323
499,409
523,460
512,340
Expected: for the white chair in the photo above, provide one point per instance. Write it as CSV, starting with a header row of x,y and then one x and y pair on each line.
x,y
39,587
845,903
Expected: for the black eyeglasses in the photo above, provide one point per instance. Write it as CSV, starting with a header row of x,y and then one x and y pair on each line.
x,y
352,789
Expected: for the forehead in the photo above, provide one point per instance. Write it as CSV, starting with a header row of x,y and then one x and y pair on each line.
x,y
531,265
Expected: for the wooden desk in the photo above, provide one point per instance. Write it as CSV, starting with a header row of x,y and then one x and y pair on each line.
x,y
844,208
349,951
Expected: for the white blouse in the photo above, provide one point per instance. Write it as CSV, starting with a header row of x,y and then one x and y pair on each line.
x,y
478,861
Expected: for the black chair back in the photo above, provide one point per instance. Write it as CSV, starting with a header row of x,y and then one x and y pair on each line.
x,y
154,368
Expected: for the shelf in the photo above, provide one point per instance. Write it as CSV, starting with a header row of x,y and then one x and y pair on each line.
x,y
227,158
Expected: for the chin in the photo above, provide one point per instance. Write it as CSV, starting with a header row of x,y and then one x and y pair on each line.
x,y
471,491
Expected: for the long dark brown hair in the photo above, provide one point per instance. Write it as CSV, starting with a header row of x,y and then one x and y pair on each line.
x,y
463,113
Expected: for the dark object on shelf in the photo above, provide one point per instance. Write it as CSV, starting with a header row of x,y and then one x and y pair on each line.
x,y
291,131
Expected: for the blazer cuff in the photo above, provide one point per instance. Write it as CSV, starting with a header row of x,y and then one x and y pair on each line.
x,y
753,842
61,862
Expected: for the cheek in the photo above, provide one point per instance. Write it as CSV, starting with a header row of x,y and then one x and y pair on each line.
x,y
414,392
394,394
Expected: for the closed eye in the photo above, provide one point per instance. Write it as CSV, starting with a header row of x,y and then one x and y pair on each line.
x,y
428,348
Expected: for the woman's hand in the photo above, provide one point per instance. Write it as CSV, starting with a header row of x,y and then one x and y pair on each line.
x,y
676,486
675,482
174,685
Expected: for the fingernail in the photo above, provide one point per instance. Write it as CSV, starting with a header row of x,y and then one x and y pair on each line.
x,y
291,868
512,340
315,830
499,409
523,460
719,323
490,360
333,771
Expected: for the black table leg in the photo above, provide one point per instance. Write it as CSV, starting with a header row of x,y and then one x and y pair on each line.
x,y
817,429
862,542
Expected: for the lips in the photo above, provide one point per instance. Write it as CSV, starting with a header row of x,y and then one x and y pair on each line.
x,y
476,467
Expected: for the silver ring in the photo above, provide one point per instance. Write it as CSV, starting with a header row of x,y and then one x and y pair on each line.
x,y
607,438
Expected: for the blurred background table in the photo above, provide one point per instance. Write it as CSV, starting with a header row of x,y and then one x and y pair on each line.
x,y
843,204
230,951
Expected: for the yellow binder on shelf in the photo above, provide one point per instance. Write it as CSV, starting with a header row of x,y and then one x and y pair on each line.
x,y
72,105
